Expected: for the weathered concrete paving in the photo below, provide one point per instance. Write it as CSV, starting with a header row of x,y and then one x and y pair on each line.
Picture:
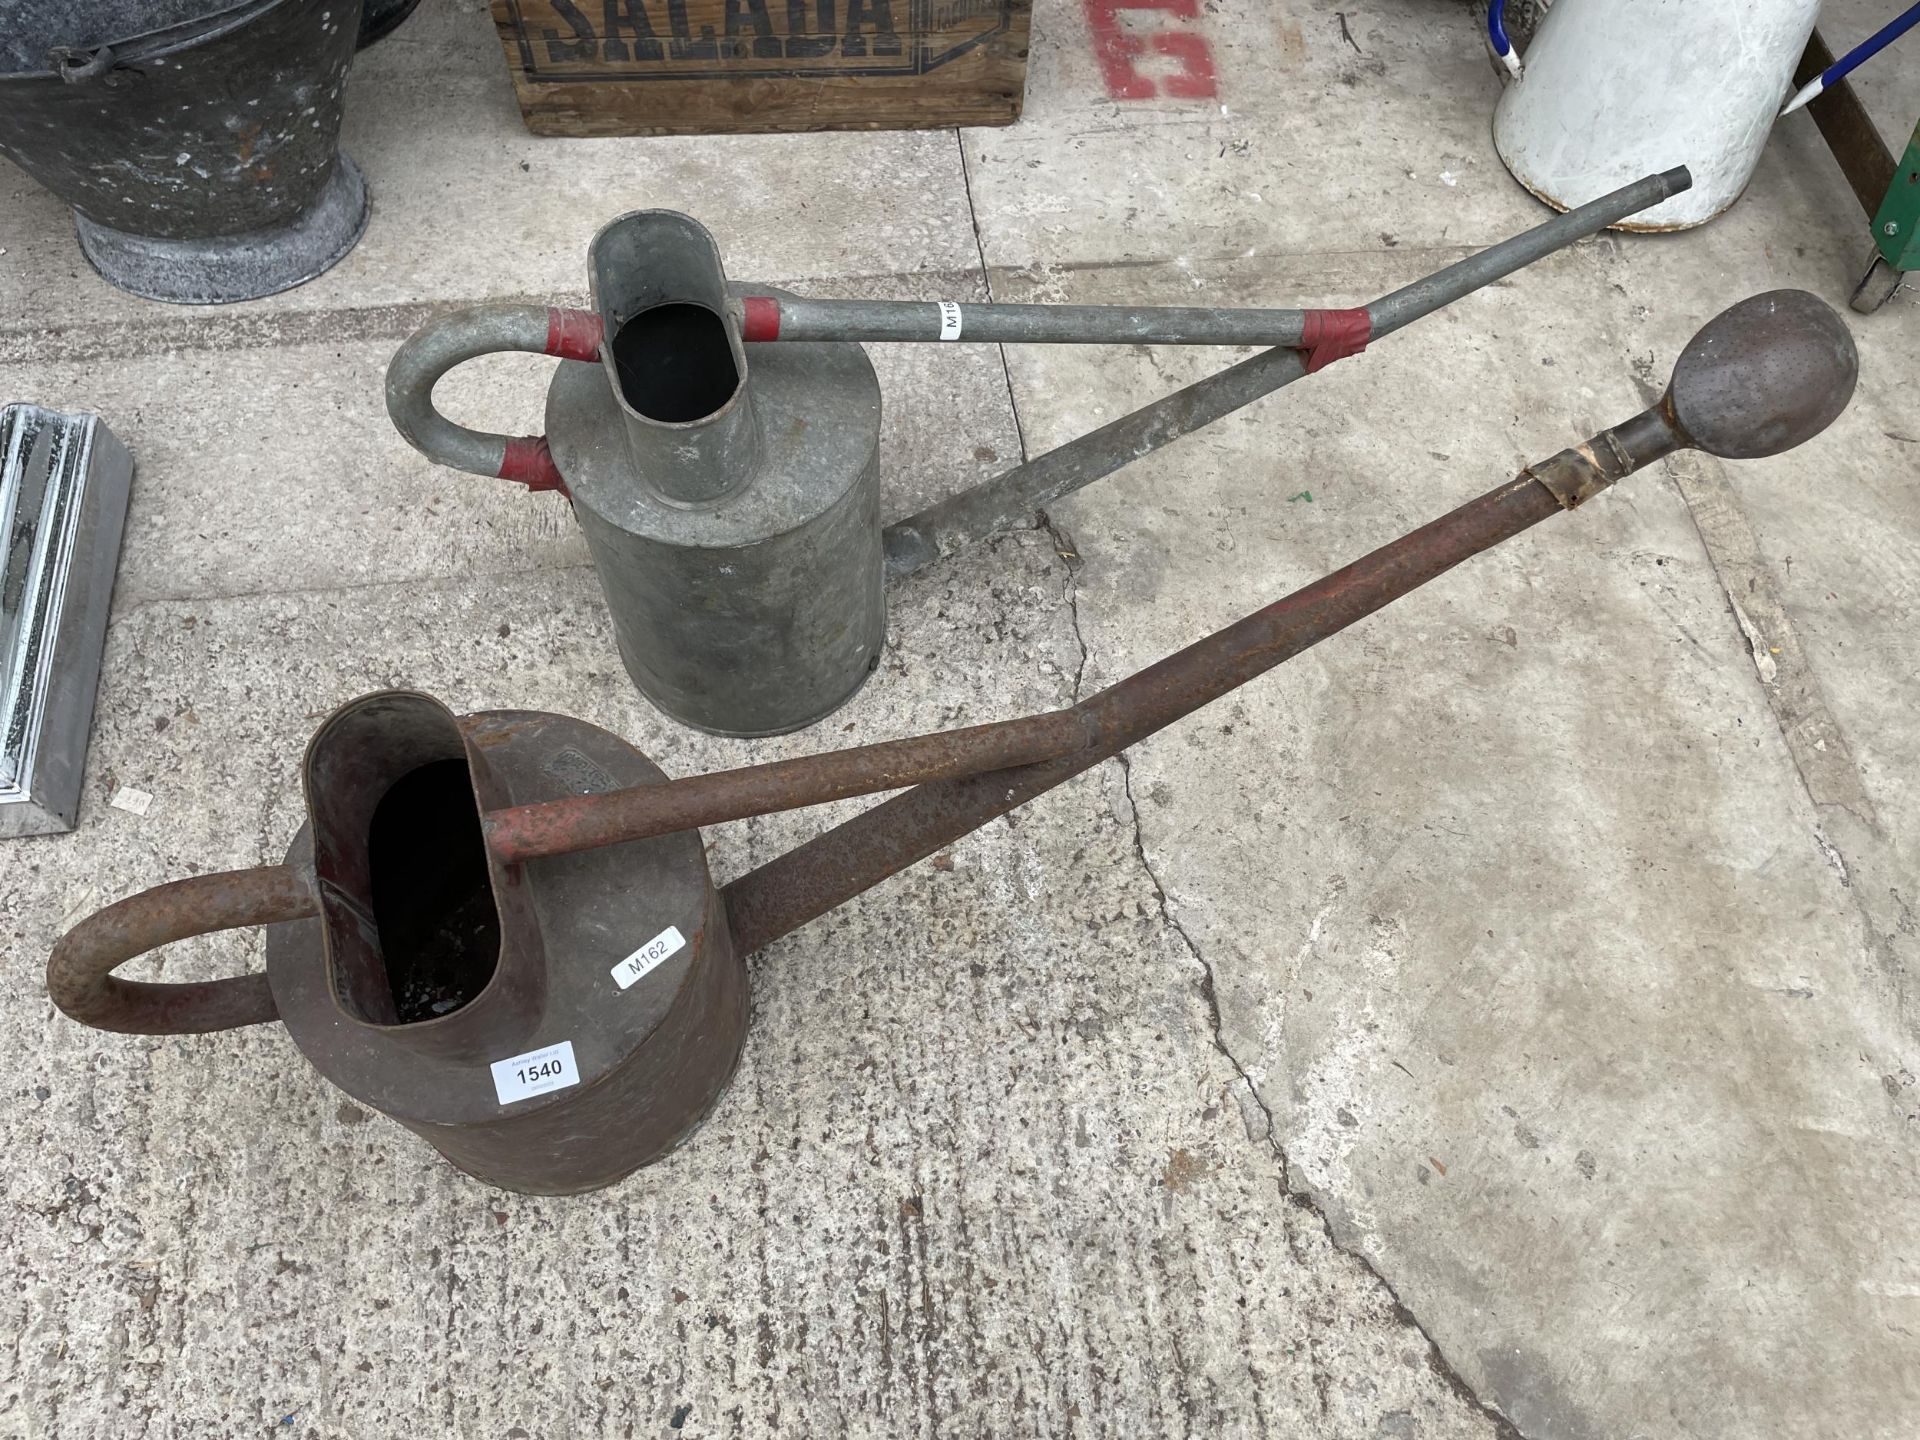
x,y
983,1166
1529,969
1562,917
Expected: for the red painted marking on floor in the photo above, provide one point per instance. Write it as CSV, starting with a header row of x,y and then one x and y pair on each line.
x,y
1116,49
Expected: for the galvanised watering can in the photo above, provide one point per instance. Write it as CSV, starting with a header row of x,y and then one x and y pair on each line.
x,y
720,444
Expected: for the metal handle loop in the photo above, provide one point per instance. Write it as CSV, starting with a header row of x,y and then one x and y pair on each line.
x,y
80,976
75,65
465,335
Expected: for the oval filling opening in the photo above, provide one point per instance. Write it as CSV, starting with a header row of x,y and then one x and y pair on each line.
x,y
675,363
439,931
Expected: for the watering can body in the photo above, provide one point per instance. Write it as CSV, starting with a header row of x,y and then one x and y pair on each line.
x,y
1612,88
763,610
731,504
737,540
547,1027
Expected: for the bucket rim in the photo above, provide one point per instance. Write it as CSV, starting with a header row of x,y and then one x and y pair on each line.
x,y
167,40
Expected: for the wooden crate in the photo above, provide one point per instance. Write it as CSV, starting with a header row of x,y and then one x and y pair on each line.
x,y
696,67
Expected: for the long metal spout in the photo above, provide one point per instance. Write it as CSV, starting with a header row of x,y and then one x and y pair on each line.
x,y
1008,501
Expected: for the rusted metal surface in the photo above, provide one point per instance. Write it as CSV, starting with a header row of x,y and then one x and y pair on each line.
x,y
583,822
785,893
1575,476
434,962
1763,376
80,976
1849,131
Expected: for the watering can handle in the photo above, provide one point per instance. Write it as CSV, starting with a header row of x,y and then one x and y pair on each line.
x,y
80,975
441,344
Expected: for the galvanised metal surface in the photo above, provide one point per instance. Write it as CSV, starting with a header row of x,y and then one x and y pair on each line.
x,y
196,142
64,481
1011,500
764,316
768,317
731,499
450,954
729,490
462,335
761,610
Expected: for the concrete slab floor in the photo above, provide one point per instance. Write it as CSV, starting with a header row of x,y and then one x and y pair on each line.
x,y
1501,1021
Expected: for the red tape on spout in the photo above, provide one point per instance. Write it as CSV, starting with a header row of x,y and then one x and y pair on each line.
x,y
1330,335
762,318
529,461
573,334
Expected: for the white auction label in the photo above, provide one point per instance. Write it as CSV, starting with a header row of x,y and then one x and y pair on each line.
x,y
668,942
521,1077
949,320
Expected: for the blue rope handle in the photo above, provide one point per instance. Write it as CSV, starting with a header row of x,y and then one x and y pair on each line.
x,y
1497,34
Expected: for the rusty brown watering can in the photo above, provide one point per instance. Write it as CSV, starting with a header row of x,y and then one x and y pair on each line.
x,y
500,929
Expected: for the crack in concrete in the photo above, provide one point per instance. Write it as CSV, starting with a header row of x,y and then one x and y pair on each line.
x,y
1207,988
1069,556
1833,858
986,284
1437,1361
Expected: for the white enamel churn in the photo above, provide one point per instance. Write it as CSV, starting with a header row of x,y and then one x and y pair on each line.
x,y
1611,89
